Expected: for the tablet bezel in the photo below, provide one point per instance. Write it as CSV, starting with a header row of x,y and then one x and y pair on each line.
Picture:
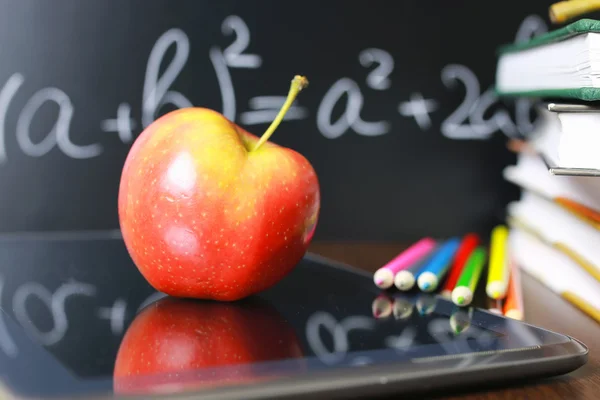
x,y
413,378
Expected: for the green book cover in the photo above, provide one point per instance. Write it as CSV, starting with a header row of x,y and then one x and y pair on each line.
x,y
579,27
576,28
582,94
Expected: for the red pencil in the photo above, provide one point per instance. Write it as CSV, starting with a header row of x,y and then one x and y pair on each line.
x,y
468,244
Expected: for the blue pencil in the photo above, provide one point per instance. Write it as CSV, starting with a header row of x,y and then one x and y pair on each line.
x,y
433,272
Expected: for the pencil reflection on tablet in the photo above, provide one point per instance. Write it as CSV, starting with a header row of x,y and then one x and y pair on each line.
x,y
402,308
382,307
426,304
494,306
460,320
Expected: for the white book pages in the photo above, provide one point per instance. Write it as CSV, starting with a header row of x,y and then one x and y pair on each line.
x,y
580,140
553,268
531,173
558,226
567,64
547,134
568,139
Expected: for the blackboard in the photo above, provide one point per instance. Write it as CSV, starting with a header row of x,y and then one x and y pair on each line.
x,y
400,120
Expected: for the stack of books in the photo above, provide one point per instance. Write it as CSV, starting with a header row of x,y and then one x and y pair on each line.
x,y
555,225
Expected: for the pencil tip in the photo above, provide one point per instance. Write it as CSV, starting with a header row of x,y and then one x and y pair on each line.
x,y
460,300
425,286
379,281
496,294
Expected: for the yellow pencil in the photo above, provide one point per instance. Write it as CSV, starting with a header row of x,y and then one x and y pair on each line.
x,y
498,273
563,11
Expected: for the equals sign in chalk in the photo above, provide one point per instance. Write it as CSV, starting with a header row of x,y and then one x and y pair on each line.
x,y
266,108
384,276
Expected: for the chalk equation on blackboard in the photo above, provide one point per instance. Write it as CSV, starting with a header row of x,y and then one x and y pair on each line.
x,y
466,121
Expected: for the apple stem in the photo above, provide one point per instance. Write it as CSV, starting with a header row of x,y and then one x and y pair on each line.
x,y
298,83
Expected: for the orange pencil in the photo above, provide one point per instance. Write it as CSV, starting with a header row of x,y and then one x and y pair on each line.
x,y
513,304
468,244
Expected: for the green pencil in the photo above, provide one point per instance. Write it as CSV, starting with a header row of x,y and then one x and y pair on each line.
x,y
462,295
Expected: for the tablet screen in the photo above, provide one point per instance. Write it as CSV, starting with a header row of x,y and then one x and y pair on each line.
x,y
77,317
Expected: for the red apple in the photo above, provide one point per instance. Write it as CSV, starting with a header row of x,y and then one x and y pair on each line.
x,y
208,210
171,341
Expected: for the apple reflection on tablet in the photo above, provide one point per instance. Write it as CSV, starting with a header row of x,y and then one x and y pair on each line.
x,y
182,344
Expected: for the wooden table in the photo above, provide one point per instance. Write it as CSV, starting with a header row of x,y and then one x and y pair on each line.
x,y
542,308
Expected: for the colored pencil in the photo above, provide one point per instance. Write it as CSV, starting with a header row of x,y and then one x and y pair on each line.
x,y
499,271
384,276
402,308
405,279
468,244
462,295
435,269
564,11
513,305
381,307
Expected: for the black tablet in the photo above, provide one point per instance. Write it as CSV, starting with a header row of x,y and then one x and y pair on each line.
x,y
78,320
